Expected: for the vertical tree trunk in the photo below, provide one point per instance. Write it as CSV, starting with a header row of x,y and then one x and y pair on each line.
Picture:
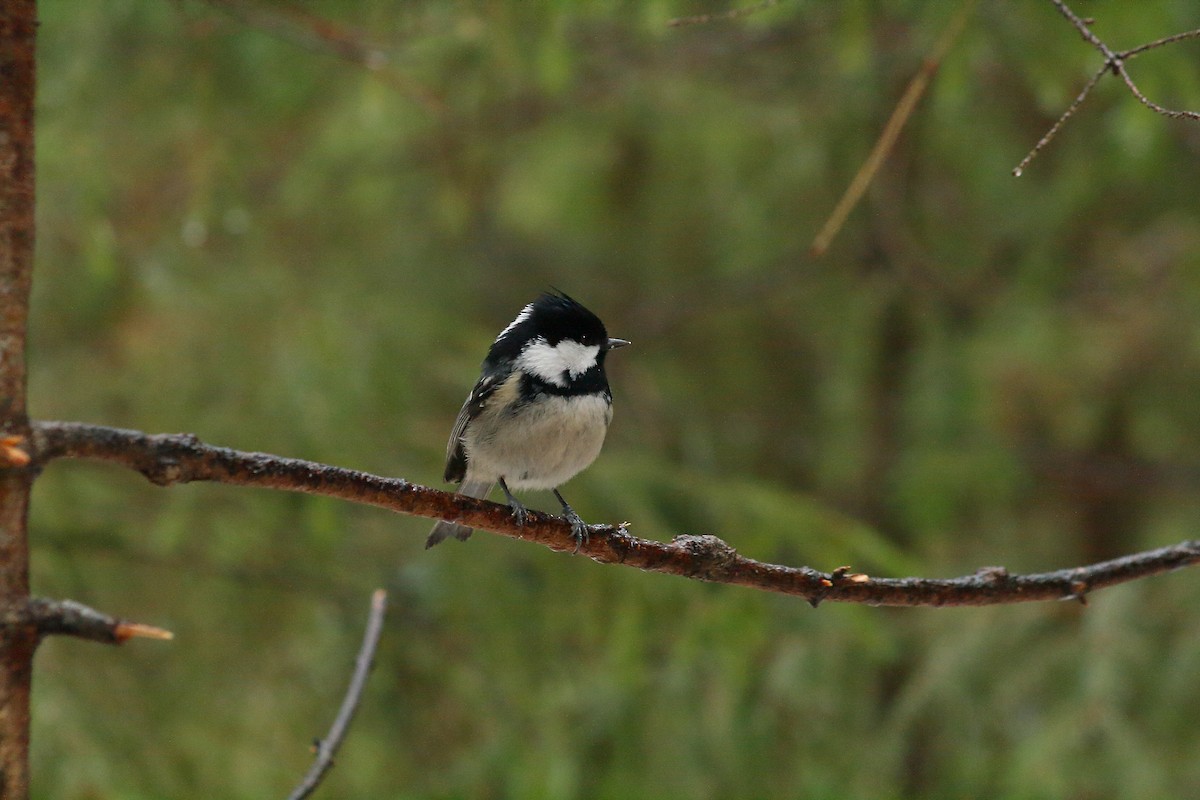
x,y
18,639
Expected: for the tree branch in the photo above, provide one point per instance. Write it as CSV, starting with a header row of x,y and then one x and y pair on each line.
x,y
18,27
180,458
327,748
69,618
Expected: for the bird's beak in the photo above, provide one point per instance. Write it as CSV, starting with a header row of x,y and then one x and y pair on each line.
x,y
613,344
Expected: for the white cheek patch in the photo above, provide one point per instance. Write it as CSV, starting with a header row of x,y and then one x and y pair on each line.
x,y
577,358
552,363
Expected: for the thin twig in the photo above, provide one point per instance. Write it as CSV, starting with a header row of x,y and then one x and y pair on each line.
x,y
1177,37
891,131
1114,62
1150,104
327,748
317,34
1086,32
1049,135
180,458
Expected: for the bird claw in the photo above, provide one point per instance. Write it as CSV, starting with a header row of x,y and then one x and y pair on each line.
x,y
579,529
519,512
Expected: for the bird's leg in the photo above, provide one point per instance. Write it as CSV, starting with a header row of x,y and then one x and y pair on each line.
x,y
579,528
518,511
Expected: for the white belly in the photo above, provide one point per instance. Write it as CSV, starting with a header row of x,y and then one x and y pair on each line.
x,y
542,447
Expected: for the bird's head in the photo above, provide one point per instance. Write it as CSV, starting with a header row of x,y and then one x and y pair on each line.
x,y
556,339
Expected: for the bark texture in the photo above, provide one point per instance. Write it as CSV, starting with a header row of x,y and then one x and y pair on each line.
x,y
17,642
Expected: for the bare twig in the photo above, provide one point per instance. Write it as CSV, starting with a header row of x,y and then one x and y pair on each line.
x,y
891,131
1066,115
1177,37
327,748
1147,102
1114,62
303,28
317,34
170,459
733,13
69,618
1081,25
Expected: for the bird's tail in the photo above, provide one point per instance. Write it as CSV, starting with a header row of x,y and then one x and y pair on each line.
x,y
444,530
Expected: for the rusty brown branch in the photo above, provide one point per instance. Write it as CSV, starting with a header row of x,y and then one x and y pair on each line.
x,y
18,27
180,458
1114,62
327,748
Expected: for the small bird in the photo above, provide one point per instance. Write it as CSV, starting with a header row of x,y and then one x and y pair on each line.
x,y
539,412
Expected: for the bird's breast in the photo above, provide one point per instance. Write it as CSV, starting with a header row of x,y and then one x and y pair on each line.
x,y
538,445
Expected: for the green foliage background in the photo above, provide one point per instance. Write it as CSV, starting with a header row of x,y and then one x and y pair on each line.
x,y
277,250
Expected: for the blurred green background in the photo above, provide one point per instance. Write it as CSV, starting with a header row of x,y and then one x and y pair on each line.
x,y
247,238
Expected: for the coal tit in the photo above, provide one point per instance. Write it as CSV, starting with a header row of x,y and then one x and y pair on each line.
x,y
539,412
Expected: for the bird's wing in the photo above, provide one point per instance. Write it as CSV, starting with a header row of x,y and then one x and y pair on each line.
x,y
456,457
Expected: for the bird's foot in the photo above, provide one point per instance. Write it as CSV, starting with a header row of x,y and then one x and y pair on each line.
x,y
520,514
579,529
